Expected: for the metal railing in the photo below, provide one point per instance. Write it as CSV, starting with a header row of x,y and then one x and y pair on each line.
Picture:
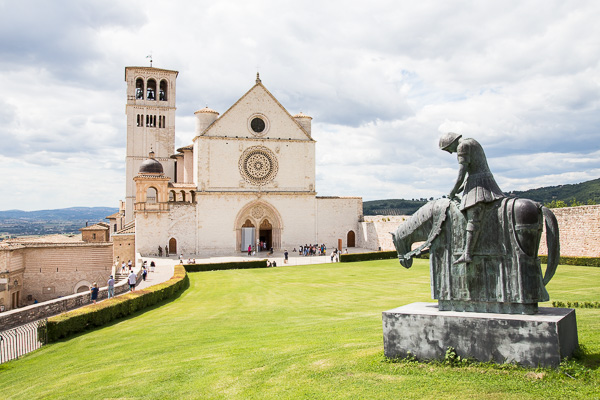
x,y
17,342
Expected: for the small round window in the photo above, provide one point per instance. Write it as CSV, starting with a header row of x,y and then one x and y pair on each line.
x,y
258,124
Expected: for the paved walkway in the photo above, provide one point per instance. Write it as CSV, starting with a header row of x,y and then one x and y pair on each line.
x,y
164,265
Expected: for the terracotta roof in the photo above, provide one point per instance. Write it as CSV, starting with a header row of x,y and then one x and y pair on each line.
x,y
99,226
302,115
51,239
114,216
207,110
127,229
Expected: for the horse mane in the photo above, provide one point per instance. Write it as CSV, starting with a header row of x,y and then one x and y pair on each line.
x,y
421,216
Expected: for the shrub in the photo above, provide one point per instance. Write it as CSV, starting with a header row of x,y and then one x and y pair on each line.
x,y
224,266
580,261
95,315
576,304
376,255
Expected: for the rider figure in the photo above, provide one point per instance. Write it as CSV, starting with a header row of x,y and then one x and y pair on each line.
x,y
478,188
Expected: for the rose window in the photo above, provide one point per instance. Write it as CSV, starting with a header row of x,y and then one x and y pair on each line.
x,y
258,165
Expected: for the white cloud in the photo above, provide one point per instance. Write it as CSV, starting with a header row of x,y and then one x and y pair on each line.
x,y
382,83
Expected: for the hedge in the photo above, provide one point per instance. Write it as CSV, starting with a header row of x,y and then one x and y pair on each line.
x,y
580,261
576,304
95,315
376,255
224,266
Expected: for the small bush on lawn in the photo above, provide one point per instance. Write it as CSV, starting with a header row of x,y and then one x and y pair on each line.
x,y
95,315
224,266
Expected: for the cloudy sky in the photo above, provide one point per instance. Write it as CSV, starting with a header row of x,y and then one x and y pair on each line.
x,y
381,79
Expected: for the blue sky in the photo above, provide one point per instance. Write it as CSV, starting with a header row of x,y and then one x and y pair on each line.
x,y
382,81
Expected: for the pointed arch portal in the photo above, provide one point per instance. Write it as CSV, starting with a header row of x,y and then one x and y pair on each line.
x,y
258,222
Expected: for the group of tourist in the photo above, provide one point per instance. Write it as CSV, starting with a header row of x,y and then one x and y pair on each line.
x,y
131,279
312,250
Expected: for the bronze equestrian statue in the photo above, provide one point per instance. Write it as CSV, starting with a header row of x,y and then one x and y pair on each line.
x,y
483,249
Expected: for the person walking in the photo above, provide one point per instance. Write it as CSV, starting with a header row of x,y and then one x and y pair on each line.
x,y
111,286
94,291
132,278
285,256
144,273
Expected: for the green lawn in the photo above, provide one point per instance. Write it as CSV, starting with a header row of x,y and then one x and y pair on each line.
x,y
290,332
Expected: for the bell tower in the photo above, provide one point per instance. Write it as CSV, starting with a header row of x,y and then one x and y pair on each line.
x,y
150,114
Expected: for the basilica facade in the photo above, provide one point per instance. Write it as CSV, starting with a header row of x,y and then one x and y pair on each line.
x,y
248,177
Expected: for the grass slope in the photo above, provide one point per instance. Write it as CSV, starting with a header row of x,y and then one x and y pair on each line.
x,y
287,333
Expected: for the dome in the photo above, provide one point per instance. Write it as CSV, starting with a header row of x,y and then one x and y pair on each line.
x,y
151,166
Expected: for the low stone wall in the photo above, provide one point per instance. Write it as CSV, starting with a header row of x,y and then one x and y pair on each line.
x,y
34,312
579,229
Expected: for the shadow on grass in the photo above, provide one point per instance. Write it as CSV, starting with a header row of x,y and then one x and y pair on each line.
x,y
587,359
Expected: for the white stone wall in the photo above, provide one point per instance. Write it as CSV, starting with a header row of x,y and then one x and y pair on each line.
x,y
375,231
336,217
210,226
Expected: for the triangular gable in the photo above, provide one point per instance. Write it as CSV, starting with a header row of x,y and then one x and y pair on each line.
x,y
257,100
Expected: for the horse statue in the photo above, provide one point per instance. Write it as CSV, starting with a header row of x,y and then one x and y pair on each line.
x,y
505,274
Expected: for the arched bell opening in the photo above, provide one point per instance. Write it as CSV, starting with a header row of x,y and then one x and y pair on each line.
x,y
151,89
162,94
139,89
151,195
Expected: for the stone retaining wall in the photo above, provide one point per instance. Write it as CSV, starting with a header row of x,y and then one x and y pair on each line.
x,y
579,229
24,315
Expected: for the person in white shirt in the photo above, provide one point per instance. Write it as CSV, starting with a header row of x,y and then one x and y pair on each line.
x,y
132,280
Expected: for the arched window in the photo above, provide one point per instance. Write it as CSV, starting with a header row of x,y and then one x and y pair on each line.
x,y
183,195
139,89
193,197
151,195
115,229
151,90
172,196
162,96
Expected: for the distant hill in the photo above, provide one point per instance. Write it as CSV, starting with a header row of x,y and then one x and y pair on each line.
x,y
392,206
46,222
584,192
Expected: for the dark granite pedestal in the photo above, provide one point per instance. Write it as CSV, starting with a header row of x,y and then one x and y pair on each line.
x,y
542,339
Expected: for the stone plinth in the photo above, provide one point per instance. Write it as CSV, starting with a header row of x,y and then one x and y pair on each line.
x,y
420,328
